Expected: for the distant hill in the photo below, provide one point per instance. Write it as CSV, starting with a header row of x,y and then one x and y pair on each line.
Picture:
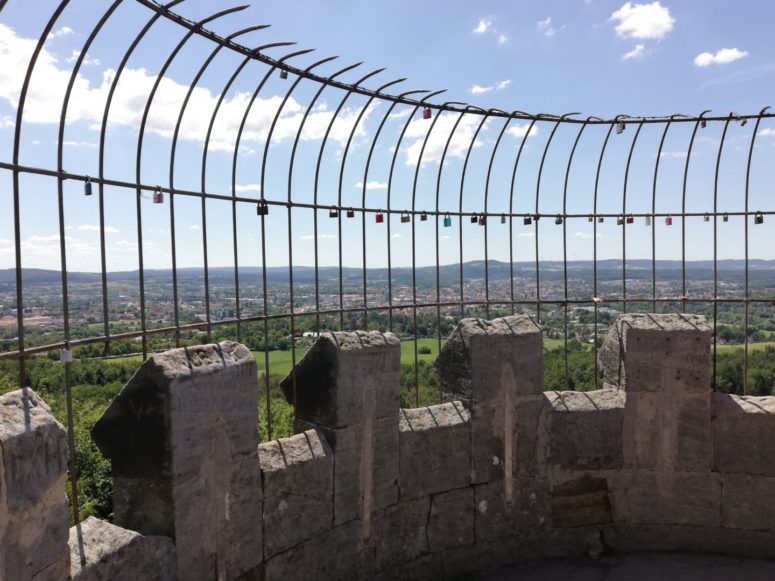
x,y
449,274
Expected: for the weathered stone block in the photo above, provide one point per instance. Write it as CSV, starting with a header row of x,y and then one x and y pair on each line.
x,y
182,433
366,469
337,374
529,509
667,431
581,502
100,551
680,498
298,490
472,363
746,502
33,505
336,554
743,432
451,522
401,533
667,352
435,449
421,569
583,430
504,436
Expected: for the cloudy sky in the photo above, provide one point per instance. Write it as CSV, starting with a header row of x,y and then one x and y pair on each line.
x,y
594,57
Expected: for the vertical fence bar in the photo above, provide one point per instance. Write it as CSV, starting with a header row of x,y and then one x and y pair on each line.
x,y
511,207
715,247
683,216
624,217
595,297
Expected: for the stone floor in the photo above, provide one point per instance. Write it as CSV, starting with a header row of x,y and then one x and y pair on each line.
x,y
645,567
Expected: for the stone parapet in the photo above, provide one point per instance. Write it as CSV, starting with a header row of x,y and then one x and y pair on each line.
x,y
365,490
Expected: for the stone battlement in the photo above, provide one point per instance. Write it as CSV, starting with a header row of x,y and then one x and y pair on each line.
x,y
502,472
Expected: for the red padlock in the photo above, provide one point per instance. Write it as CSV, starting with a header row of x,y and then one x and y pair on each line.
x,y
630,219
426,113
379,218
669,221
158,197
351,213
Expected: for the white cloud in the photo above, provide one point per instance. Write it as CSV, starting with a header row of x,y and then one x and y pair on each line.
x,y
637,53
320,237
483,25
478,89
373,185
79,144
86,62
721,57
64,31
242,188
674,154
586,235
48,85
396,236
643,20
767,132
93,228
526,234
402,114
435,146
545,27
194,227
521,130
503,84
502,39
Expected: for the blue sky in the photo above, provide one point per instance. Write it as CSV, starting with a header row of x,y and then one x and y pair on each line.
x,y
594,57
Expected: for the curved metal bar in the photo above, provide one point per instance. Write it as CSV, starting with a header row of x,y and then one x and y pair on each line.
x,y
486,225
290,207
173,154
653,221
414,258
138,165
683,213
462,184
594,245
361,113
715,246
747,288
72,468
396,149
226,88
16,209
537,215
511,209
565,243
315,195
385,117
438,189
103,133
624,221
397,98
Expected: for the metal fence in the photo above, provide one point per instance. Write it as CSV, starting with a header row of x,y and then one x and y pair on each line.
x,y
602,177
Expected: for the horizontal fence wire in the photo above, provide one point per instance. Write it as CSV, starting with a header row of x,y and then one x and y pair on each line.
x,y
498,206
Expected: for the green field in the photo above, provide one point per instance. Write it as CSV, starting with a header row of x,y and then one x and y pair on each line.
x,y
751,346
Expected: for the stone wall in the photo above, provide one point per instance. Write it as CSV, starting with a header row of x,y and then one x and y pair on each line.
x,y
500,473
